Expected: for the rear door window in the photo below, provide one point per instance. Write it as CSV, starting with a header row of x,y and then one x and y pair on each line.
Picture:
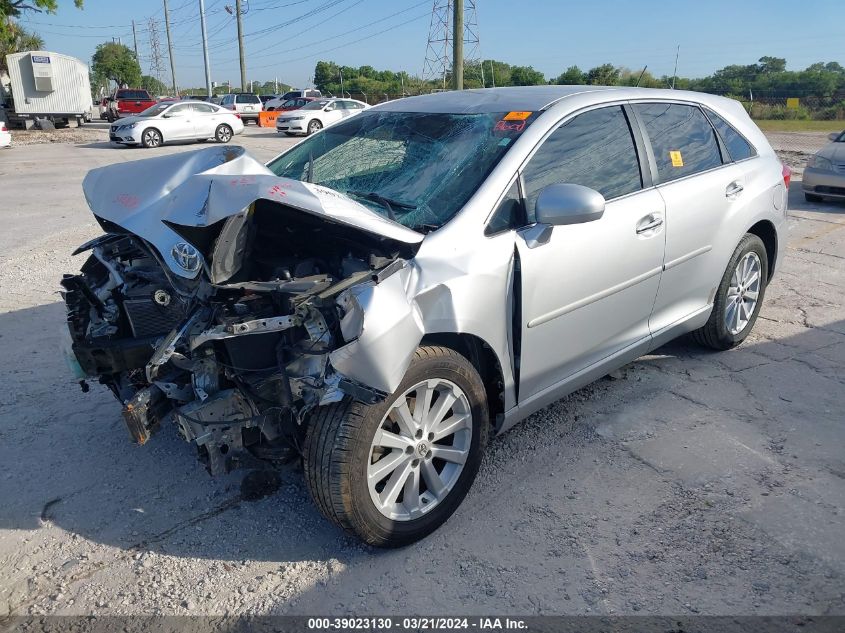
x,y
737,146
595,149
682,138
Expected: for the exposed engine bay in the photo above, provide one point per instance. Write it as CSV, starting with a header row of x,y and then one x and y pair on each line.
x,y
254,315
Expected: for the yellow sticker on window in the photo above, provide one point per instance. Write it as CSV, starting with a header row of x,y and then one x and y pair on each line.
x,y
517,116
677,159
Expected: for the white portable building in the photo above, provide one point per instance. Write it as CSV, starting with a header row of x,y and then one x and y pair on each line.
x,y
49,85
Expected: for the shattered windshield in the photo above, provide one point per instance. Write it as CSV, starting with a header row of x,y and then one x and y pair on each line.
x,y
416,168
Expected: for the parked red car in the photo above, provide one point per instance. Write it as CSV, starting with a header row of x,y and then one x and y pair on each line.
x,y
128,101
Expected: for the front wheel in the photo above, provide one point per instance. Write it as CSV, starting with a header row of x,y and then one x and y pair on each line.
x,y
314,126
151,137
738,298
223,134
393,472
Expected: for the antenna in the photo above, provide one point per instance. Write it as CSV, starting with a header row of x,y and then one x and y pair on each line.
x,y
675,73
641,76
438,53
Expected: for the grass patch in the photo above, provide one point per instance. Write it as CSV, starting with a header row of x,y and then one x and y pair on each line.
x,y
796,125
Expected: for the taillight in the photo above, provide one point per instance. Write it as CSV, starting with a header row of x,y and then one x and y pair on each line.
x,y
237,115
787,176
3,127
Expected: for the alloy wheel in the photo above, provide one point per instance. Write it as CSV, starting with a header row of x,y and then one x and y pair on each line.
x,y
152,138
419,449
743,293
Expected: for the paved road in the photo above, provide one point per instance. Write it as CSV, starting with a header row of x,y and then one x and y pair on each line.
x,y
693,482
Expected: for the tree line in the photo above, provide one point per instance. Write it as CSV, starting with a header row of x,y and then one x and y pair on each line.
x,y
768,77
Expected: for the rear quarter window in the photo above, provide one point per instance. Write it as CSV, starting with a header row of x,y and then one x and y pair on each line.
x,y
737,146
682,138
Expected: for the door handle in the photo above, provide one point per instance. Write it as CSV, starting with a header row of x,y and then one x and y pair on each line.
x,y
649,223
734,189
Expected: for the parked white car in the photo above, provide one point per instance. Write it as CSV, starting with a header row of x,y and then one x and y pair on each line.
x,y
5,136
247,105
176,121
316,115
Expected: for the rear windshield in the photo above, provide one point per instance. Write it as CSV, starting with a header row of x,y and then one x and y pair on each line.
x,y
139,95
427,165
248,99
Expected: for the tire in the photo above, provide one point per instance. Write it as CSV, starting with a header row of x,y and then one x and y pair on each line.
x,y
340,449
716,333
811,197
314,126
151,138
223,133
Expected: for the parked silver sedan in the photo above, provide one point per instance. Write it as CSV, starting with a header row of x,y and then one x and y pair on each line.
x,y
176,121
379,299
824,176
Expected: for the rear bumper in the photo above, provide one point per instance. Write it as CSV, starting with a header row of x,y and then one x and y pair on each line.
x,y
823,183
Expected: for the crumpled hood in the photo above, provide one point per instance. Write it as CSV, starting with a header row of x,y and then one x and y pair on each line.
x,y
205,186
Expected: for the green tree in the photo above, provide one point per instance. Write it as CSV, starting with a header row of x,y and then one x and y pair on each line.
x,y
572,76
526,76
604,75
16,39
154,86
769,64
116,62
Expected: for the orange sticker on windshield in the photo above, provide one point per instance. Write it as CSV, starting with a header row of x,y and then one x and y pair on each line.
x,y
517,116
677,159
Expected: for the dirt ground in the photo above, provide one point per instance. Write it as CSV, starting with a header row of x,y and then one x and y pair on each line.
x,y
691,482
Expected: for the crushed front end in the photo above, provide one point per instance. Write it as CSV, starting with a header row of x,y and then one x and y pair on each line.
x,y
224,322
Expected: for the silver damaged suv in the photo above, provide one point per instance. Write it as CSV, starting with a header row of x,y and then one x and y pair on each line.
x,y
378,300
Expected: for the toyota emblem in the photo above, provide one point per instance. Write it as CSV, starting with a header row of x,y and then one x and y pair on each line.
x,y
186,256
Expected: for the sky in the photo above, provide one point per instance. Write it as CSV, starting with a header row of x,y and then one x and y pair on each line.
x,y
285,38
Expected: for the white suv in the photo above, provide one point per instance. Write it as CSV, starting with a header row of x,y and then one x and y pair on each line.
x,y
247,105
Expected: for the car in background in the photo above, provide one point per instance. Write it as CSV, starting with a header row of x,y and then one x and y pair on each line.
x,y
177,121
5,135
290,104
266,98
824,176
314,116
128,101
245,104
277,102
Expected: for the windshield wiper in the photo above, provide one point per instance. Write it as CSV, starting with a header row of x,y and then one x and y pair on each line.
x,y
388,203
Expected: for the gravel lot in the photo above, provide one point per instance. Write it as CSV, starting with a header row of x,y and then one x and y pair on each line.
x,y
690,482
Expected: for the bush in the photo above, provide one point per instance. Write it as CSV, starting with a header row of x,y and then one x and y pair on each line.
x,y
779,112
832,112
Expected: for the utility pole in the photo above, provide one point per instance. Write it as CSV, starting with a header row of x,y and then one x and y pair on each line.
x,y
241,44
458,45
135,39
205,49
170,48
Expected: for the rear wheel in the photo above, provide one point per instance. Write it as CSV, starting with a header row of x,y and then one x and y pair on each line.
x,y
811,197
393,472
314,126
223,134
738,298
151,137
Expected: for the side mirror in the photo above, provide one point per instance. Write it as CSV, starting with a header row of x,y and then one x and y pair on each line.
x,y
833,136
568,204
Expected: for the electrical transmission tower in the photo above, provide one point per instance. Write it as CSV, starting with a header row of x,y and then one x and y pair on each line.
x,y
438,53
156,61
